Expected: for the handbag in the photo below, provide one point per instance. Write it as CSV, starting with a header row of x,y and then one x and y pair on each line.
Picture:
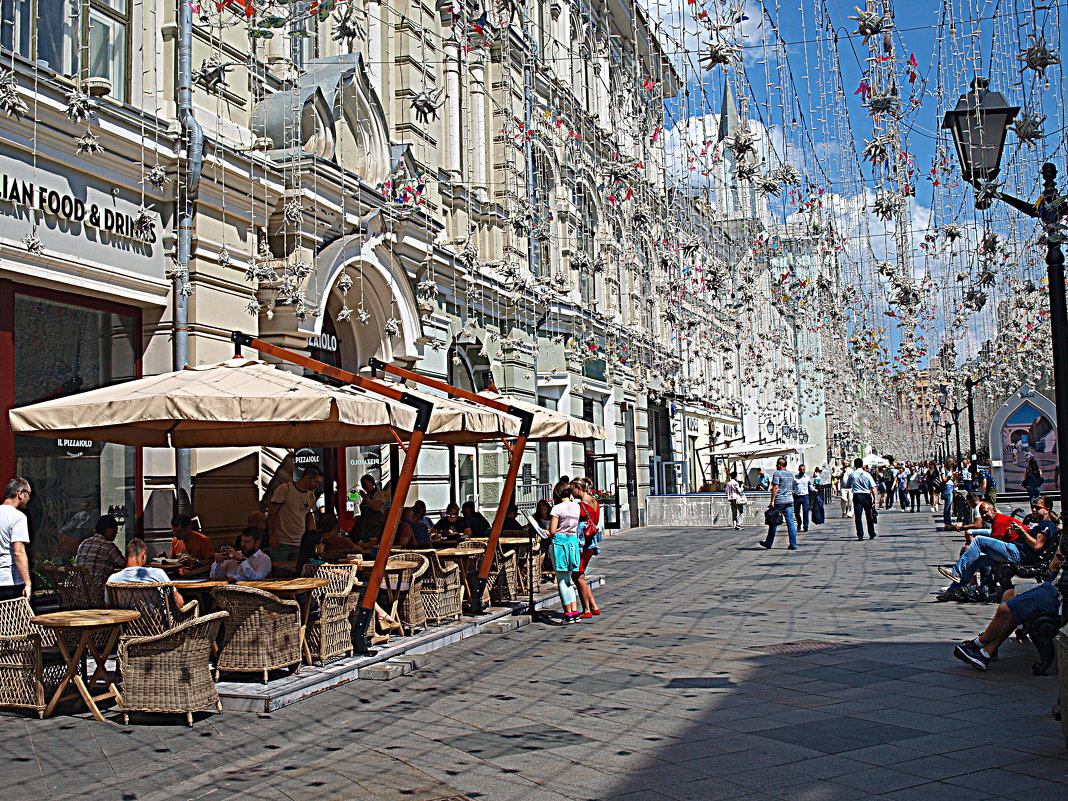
x,y
773,517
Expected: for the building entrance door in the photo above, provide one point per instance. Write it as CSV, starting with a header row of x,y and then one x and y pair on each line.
x,y
604,471
672,475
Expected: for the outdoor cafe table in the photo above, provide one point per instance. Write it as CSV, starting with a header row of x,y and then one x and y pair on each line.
x,y
290,588
387,586
86,622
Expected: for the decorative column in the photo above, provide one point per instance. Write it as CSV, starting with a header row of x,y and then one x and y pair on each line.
x,y
375,67
453,119
478,122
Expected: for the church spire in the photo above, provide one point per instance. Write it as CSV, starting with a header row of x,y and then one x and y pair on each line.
x,y
729,120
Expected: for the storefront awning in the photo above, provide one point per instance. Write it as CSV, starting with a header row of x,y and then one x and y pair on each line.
x,y
751,451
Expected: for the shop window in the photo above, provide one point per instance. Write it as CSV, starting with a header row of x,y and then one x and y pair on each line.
x,y
48,32
62,349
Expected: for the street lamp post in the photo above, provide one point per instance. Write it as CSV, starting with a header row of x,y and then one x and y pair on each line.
x,y
955,411
947,426
969,385
979,124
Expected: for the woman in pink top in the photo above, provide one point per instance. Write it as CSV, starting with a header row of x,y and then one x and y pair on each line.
x,y
590,516
563,531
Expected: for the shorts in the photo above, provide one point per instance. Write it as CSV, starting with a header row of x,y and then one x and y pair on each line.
x,y
586,557
1042,600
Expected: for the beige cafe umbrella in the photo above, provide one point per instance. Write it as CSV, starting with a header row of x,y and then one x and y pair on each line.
x,y
244,402
550,425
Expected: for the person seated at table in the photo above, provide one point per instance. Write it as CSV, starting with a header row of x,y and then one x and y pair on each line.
x,y
473,522
312,550
421,515
420,530
511,519
450,525
334,539
248,564
136,571
542,514
99,554
405,536
193,548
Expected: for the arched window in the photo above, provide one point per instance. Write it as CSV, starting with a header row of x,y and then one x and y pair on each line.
x,y
585,241
544,190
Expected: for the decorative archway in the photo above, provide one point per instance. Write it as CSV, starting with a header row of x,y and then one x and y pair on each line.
x,y
380,289
1024,428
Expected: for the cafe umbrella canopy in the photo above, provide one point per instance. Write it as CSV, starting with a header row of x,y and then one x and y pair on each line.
x,y
244,402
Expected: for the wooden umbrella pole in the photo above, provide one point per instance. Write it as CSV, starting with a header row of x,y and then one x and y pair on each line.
x,y
424,409
526,420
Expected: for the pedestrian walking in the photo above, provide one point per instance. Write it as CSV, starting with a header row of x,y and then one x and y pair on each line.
x,y
736,498
802,501
1033,480
913,488
845,494
865,498
589,535
14,541
948,488
782,499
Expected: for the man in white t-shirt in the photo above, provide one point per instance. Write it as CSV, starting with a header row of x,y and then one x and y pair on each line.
x,y
14,539
137,572
291,514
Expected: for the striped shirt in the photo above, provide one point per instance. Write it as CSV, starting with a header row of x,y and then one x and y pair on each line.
x,y
101,557
784,480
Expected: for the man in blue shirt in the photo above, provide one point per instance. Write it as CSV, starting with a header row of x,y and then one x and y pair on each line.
x,y
782,498
865,496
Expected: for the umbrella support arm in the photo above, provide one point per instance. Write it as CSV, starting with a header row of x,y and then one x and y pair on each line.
x,y
424,410
526,421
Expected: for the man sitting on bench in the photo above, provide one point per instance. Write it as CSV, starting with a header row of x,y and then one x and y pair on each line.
x,y
1009,541
1045,599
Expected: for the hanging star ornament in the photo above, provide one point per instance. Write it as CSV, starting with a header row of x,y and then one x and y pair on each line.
x,y
1028,127
1038,56
870,21
10,102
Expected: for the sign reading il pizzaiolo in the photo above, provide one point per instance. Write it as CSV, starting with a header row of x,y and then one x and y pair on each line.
x,y
67,207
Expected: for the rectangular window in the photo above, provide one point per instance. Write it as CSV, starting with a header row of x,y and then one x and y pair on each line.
x,y
50,32
61,349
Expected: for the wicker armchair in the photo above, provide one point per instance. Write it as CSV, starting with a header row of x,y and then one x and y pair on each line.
x,y
75,587
476,546
155,601
524,555
170,672
331,633
504,577
408,589
442,590
30,664
261,634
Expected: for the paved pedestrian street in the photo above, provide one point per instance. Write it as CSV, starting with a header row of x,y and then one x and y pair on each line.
x,y
683,689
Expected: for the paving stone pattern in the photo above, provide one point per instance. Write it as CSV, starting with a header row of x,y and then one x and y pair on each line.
x,y
662,697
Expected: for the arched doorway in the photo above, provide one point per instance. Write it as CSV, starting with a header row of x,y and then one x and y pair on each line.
x,y
1022,431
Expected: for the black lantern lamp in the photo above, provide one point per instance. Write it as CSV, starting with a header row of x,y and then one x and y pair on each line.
x,y
936,416
978,125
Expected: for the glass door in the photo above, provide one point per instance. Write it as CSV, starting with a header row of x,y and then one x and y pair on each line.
x,y
603,470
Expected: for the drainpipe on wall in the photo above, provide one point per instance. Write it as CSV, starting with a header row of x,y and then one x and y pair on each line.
x,y
194,144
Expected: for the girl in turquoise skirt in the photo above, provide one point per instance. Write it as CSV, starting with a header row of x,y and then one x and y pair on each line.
x,y
563,530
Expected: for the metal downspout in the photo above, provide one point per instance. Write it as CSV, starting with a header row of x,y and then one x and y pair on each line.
x,y
194,144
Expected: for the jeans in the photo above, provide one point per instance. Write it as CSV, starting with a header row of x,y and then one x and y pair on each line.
x,y
947,504
904,494
801,508
787,510
862,503
983,552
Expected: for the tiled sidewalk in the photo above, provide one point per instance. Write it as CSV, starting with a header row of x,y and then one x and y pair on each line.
x,y
676,692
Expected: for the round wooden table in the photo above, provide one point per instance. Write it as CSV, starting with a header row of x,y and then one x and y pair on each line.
x,y
200,585
87,622
290,588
